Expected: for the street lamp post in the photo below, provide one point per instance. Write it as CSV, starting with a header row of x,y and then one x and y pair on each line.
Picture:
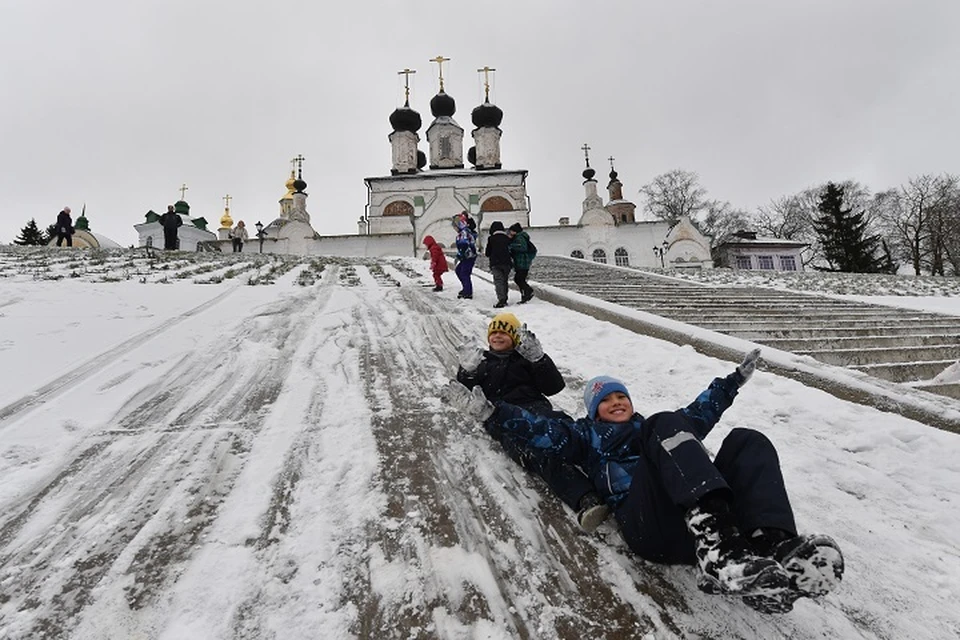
x,y
260,234
659,251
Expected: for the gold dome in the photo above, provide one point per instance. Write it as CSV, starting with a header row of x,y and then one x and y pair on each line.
x,y
289,185
226,222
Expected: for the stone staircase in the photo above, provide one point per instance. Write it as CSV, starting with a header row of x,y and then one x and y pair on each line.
x,y
897,345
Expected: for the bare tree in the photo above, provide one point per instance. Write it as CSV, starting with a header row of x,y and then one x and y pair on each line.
x,y
673,195
919,218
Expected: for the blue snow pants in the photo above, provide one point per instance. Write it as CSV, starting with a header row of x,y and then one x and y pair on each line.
x,y
464,269
675,471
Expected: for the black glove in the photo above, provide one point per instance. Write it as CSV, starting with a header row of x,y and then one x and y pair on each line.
x,y
470,403
748,366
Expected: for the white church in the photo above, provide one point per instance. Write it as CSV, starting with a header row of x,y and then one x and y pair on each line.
x,y
424,191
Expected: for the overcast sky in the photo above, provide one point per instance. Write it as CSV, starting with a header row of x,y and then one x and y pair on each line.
x,y
116,104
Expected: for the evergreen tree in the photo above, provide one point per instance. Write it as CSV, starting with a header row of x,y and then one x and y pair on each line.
x,y
30,235
843,235
51,233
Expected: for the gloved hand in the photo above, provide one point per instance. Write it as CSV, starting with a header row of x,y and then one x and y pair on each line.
x,y
470,403
748,366
529,347
469,357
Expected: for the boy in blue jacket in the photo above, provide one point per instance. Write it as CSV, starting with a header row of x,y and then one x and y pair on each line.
x,y
730,516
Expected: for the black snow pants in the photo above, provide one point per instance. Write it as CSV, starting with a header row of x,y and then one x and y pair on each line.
x,y
675,471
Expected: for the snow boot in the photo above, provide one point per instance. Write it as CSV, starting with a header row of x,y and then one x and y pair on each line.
x,y
815,565
500,304
438,288
726,563
527,297
593,511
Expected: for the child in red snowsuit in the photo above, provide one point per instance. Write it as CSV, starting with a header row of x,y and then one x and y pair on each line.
x,y
438,261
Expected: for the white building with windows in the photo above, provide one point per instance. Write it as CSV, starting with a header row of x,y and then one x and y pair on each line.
x,y
745,251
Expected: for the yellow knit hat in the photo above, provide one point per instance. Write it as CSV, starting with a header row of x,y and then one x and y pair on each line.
x,y
508,324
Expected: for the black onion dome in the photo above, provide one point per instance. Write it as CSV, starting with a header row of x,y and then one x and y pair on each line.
x,y
613,175
299,185
421,159
405,119
442,105
588,173
487,115
472,155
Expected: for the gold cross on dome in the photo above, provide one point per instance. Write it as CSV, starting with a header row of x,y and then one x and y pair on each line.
x,y
183,190
486,82
406,83
440,60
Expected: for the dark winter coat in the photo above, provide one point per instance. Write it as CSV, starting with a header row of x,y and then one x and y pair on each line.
x,y
521,251
608,453
170,221
498,247
510,377
64,224
438,261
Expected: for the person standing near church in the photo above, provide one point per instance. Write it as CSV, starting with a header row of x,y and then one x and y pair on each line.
x,y
466,253
523,252
498,250
239,235
64,227
170,221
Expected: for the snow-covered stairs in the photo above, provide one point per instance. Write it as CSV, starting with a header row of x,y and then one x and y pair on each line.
x,y
897,345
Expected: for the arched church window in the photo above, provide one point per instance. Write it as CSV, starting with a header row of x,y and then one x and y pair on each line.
x,y
621,257
599,255
398,208
496,203
576,253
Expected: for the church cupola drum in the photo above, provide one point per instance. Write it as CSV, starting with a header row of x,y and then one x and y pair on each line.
x,y
406,122
444,135
486,118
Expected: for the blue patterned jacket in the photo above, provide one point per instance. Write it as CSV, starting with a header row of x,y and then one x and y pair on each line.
x,y
607,452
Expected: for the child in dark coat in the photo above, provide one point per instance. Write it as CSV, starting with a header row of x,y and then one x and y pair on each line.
x,y
498,250
438,261
516,370
729,516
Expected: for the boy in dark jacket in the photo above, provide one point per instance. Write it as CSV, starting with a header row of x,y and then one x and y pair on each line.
x,y
516,370
498,250
523,252
438,261
729,516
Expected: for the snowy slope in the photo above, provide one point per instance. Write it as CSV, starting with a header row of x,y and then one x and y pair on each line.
x,y
227,461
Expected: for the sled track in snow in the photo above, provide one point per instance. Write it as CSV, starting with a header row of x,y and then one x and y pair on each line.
x,y
121,520
82,372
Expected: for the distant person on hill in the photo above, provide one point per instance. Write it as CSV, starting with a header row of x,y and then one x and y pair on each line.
x,y
466,253
523,251
64,227
438,261
239,235
515,369
730,516
170,221
498,250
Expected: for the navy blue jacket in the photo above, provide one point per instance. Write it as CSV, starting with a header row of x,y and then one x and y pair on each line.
x,y
607,452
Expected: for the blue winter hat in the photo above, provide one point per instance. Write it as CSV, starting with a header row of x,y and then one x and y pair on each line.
x,y
599,388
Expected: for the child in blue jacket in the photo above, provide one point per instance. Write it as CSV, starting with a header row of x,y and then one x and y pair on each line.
x,y
730,516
